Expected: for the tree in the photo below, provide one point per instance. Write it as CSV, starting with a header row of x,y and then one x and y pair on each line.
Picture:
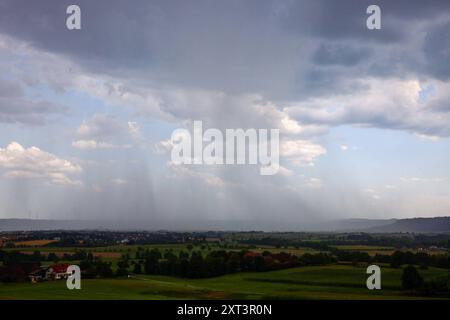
x,y
214,266
182,267
259,263
52,257
171,260
233,263
196,265
13,273
90,256
36,256
122,268
104,269
151,264
96,268
411,279
138,254
183,255
397,259
137,268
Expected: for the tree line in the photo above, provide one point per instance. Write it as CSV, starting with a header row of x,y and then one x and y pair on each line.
x,y
396,259
16,266
216,263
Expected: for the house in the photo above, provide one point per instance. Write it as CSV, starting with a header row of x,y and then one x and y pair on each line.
x,y
53,272
57,271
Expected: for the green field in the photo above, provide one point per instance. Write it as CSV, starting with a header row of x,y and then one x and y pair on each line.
x,y
324,282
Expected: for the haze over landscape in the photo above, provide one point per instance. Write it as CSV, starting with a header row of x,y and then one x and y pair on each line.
x,y
86,116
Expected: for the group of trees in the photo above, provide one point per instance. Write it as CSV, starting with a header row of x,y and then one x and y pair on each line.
x,y
277,242
216,262
422,259
352,256
16,272
11,257
414,282
96,268
191,264
327,242
15,266
397,259
411,279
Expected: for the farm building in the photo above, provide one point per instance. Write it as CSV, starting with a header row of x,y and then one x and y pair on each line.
x,y
48,273
38,275
57,271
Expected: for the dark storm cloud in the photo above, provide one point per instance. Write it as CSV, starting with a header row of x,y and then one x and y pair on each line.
x,y
280,50
340,55
234,46
113,29
437,50
347,19
123,29
122,34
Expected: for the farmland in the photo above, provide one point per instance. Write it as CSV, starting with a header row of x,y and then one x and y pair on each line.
x,y
33,243
230,265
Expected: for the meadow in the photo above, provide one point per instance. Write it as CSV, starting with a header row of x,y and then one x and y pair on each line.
x,y
338,281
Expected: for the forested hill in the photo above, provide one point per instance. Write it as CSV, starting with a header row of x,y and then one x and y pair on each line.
x,y
417,225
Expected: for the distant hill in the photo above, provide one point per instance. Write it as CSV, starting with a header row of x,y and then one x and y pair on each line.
x,y
417,225
351,224
190,225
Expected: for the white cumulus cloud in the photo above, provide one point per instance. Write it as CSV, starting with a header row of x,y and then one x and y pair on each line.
x,y
34,163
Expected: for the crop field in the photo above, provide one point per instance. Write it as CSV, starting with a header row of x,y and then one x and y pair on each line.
x,y
337,281
33,243
371,250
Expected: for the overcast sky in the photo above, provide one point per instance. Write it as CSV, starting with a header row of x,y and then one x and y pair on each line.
x,y
85,115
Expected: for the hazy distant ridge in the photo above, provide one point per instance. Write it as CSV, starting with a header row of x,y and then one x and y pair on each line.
x,y
418,225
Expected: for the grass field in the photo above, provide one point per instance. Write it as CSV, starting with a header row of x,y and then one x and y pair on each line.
x,y
324,282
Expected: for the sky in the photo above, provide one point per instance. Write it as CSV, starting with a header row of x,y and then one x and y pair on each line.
x,y
86,115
